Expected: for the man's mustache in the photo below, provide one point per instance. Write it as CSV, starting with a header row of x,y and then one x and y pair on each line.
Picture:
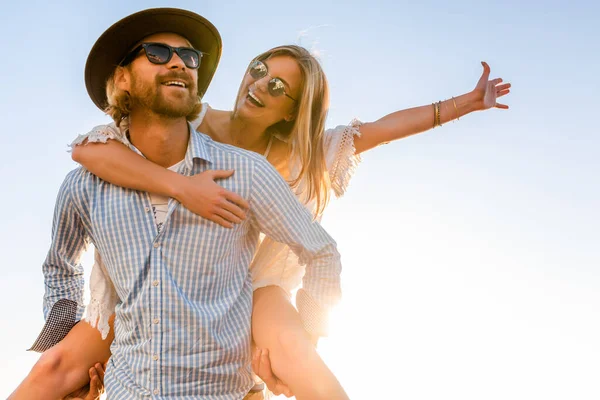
x,y
179,76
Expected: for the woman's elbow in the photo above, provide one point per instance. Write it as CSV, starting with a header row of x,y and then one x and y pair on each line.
x,y
77,154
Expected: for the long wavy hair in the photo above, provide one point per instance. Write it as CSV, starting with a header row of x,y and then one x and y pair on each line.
x,y
305,133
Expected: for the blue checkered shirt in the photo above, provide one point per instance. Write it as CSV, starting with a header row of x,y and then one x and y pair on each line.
x,y
182,328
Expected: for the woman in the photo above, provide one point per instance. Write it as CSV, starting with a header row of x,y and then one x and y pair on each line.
x,y
280,112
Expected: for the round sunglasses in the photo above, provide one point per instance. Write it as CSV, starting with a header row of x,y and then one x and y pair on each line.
x,y
276,87
160,53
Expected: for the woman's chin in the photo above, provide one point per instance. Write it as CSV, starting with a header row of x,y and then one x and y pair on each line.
x,y
247,109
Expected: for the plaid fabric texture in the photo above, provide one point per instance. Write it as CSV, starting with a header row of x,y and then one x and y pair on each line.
x,y
59,322
182,328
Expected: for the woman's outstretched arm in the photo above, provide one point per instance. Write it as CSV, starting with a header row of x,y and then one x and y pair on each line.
x,y
403,123
116,163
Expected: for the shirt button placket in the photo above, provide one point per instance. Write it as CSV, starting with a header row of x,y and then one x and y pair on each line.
x,y
156,319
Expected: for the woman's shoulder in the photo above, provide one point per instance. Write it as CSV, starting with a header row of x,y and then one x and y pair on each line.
x,y
340,155
210,121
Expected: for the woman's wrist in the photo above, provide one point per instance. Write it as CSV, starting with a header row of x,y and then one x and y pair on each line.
x,y
466,104
176,186
473,102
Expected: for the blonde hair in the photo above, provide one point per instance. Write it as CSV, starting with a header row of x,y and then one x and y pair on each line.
x,y
119,101
305,133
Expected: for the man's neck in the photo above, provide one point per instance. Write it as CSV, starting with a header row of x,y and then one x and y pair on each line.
x,y
161,140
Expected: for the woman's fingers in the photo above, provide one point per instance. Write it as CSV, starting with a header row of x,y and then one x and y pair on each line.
x,y
502,93
237,200
502,106
228,216
484,76
503,87
231,196
221,174
217,219
486,68
233,209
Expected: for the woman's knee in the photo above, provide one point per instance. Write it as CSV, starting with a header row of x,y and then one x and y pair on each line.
x,y
51,362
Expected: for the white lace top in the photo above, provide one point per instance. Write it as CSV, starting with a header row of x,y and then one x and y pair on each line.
x,y
274,263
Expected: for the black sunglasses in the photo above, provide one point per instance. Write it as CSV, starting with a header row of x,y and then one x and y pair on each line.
x,y
160,53
259,70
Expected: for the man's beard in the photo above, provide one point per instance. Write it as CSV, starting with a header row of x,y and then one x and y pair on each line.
x,y
148,96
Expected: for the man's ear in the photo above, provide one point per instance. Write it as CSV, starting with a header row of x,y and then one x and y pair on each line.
x,y
122,78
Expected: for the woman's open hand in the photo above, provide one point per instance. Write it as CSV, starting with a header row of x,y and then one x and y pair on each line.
x,y
487,92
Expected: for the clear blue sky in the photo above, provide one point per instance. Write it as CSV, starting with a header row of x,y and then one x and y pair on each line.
x,y
471,252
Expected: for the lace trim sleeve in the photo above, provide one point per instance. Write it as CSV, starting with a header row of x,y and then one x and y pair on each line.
x,y
340,155
100,134
103,298
196,123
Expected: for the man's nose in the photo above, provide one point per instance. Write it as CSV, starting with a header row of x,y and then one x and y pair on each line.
x,y
176,62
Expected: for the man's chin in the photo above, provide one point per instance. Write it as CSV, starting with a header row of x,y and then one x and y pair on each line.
x,y
173,112
173,107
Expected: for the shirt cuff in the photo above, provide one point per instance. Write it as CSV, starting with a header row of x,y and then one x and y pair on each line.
x,y
60,321
314,317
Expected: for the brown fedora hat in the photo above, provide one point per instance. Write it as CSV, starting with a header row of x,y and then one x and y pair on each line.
x,y
118,40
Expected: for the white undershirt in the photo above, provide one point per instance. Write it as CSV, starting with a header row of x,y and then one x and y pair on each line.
x,y
160,204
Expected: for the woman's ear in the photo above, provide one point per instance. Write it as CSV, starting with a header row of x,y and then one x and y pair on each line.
x,y
290,117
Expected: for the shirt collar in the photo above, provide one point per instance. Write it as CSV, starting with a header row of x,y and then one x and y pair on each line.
x,y
196,146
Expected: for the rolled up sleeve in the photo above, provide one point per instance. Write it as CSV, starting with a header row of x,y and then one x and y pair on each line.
x,y
63,274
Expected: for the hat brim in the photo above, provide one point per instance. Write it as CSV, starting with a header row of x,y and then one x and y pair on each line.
x,y
115,43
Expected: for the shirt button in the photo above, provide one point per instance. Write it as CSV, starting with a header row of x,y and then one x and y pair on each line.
x,y
155,357
155,320
147,209
156,245
155,283
156,391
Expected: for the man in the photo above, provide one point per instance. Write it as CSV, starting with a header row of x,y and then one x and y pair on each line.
x,y
182,328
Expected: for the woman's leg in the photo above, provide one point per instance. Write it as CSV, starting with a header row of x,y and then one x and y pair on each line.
x,y
64,367
276,326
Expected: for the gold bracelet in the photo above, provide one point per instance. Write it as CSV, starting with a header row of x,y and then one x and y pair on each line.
x,y
456,108
436,114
